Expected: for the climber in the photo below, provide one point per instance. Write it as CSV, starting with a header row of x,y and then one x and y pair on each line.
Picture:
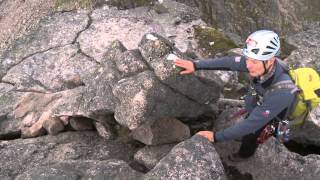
x,y
259,59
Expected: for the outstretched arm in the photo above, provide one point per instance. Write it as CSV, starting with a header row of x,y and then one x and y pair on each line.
x,y
259,117
230,63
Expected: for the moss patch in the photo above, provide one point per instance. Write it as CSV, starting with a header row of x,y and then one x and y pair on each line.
x,y
67,5
212,41
128,4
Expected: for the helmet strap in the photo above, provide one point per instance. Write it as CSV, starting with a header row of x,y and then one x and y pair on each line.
x,y
266,70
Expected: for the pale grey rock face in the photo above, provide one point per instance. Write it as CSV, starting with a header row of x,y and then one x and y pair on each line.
x,y
141,100
54,70
66,156
149,156
308,47
72,66
56,31
245,17
274,157
194,158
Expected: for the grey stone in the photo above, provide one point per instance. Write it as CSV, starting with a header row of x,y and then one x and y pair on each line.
x,y
54,70
244,18
162,131
155,53
54,31
46,173
194,158
113,169
141,100
79,151
308,45
104,130
149,156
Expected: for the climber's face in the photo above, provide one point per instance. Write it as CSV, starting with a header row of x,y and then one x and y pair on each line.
x,y
256,67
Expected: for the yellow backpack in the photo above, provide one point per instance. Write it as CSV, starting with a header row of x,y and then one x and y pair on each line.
x,y
308,97
308,93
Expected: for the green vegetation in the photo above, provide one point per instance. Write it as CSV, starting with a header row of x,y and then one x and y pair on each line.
x,y
76,4
212,41
127,4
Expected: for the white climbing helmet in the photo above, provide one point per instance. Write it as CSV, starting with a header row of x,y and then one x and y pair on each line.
x,y
262,45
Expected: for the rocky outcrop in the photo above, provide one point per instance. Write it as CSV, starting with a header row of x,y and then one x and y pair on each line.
x,y
68,155
149,156
71,72
19,17
47,36
190,159
308,44
244,17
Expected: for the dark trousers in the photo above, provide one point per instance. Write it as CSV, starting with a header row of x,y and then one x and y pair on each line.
x,y
249,144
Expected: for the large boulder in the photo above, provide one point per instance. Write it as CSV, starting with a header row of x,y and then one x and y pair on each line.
x,y
110,24
18,18
275,157
142,100
54,70
8,97
55,31
155,50
307,43
72,154
191,159
149,156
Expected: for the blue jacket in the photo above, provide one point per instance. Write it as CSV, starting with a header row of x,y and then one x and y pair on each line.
x,y
274,104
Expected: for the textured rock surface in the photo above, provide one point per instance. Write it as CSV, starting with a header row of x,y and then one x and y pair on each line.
x,y
67,155
71,66
308,47
243,17
195,158
149,156
19,17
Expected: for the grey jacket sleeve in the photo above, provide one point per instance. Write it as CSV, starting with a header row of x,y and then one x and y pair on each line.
x,y
228,63
272,106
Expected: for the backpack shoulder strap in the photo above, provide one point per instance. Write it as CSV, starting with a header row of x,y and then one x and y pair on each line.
x,y
285,85
283,64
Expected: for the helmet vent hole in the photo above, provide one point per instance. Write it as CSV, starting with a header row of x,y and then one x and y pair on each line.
x,y
266,53
269,47
273,43
255,51
276,39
